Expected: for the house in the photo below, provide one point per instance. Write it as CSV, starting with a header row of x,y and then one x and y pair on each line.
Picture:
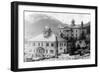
x,y
75,31
45,45
62,45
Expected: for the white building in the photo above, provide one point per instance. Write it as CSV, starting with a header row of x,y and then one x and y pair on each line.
x,y
62,45
41,47
45,45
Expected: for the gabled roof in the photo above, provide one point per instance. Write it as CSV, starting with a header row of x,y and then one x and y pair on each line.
x,y
60,39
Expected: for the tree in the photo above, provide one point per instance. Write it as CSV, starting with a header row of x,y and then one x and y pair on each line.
x,y
47,32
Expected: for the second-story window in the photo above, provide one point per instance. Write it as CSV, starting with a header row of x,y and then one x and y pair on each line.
x,y
52,44
47,44
64,44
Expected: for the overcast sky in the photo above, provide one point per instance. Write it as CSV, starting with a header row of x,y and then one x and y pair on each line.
x,y
63,17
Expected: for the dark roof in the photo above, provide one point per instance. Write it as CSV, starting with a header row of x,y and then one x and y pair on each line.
x,y
60,39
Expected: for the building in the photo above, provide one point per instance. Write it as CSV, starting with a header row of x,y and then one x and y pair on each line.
x,y
62,45
45,45
72,33
75,31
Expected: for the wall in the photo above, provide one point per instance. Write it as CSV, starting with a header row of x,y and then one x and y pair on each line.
x,y
5,17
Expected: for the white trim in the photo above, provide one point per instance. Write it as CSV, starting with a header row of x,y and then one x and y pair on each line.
x,y
22,64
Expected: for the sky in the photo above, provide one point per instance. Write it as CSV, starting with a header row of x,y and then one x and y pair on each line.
x,y
36,21
63,17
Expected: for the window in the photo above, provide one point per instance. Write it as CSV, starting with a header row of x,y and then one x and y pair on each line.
x,y
47,44
52,44
60,48
52,51
61,44
76,30
64,44
72,34
38,44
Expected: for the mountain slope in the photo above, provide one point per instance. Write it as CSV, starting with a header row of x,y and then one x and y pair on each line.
x,y
35,27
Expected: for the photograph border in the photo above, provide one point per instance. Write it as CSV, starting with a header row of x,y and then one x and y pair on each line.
x,y
14,35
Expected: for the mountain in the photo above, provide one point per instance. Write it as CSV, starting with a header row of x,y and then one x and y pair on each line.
x,y
35,25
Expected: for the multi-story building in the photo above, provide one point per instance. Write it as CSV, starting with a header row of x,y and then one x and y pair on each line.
x,y
45,45
75,31
72,33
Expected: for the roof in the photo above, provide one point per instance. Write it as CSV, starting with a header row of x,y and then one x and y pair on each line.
x,y
60,39
42,38
76,26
